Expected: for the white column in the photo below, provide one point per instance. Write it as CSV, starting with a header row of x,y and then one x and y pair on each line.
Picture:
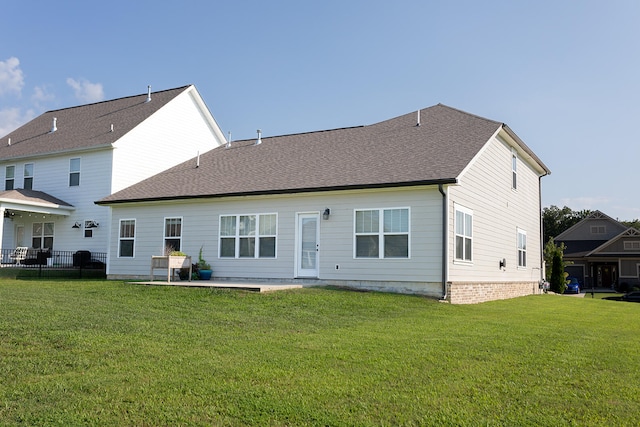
x,y
2,211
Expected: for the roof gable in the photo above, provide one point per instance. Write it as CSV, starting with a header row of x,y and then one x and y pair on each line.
x,y
595,227
616,244
395,152
83,127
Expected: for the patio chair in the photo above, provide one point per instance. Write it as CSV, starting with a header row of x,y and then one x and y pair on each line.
x,y
19,254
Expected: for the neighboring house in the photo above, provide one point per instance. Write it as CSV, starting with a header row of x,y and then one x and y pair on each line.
x,y
438,202
56,166
602,253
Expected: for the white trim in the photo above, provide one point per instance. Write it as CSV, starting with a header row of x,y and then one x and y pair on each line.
x,y
521,232
120,238
256,235
25,177
514,169
298,270
466,211
164,231
381,233
13,179
79,171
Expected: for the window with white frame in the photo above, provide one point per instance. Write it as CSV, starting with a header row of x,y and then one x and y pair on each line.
x,y
126,238
522,248
173,234
74,172
382,233
464,234
514,169
248,236
42,235
632,245
9,177
28,176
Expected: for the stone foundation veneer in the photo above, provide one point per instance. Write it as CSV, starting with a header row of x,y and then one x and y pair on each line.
x,y
473,293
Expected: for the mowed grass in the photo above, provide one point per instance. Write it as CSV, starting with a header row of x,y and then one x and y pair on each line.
x,y
112,353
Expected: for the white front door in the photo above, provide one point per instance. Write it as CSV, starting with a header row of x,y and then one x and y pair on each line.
x,y
307,245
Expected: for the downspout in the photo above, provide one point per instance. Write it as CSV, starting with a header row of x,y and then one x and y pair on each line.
x,y
543,269
444,242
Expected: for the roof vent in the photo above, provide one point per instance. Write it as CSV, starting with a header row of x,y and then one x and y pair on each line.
x,y
53,126
418,124
111,128
198,160
9,142
259,141
229,140
148,94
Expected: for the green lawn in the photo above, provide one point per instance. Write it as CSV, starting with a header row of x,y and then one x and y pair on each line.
x,y
111,353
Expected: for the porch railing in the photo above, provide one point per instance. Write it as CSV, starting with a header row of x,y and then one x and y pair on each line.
x,y
46,261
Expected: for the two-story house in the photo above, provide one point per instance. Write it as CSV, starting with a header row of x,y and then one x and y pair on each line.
x,y
56,166
439,202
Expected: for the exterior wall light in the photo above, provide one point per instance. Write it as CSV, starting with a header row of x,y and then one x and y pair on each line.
x,y
326,213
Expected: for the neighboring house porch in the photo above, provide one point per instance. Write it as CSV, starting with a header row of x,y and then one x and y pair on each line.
x,y
602,253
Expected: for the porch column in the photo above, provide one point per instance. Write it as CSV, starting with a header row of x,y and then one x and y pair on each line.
x,y
2,211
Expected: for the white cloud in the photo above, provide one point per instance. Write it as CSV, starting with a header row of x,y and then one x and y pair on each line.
x,y
41,96
13,118
86,91
11,77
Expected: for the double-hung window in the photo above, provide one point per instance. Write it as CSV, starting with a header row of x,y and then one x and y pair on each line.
x,y
464,234
42,235
514,169
74,172
522,248
248,236
9,177
28,176
173,234
126,238
382,233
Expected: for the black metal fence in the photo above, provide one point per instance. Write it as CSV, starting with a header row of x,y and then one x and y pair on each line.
x,y
48,263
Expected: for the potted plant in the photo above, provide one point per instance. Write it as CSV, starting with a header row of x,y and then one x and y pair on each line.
x,y
204,268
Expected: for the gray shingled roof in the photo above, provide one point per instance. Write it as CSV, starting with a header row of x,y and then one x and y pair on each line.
x,y
83,127
394,152
21,195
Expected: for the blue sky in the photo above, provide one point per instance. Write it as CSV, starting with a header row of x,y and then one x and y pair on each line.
x,y
564,75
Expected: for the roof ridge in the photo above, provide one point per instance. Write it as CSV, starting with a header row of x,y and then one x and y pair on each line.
x,y
439,104
301,133
114,99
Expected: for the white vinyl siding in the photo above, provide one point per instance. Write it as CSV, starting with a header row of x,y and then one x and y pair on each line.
x,y
153,146
522,248
127,237
463,234
485,189
248,236
382,233
336,252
